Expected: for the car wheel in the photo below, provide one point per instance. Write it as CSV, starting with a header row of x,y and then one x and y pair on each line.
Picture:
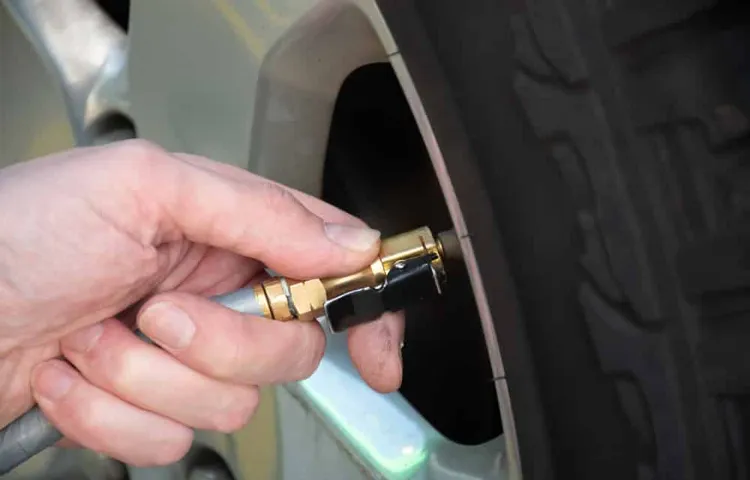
x,y
591,160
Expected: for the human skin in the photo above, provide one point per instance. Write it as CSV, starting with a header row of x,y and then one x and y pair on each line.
x,y
95,241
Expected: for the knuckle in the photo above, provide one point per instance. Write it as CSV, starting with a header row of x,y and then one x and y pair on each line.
x,y
283,353
318,354
140,163
15,399
123,370
316,349
138,149
233,418
91,415
291,342
142,157
172,451
276,198
226,364
313,348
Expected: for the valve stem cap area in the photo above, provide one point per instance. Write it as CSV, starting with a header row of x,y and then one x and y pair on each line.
x,y
450,247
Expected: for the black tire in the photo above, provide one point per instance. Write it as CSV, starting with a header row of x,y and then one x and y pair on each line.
x,y
611,139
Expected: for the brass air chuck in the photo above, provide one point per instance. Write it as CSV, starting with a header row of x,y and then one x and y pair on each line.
x,y
284,300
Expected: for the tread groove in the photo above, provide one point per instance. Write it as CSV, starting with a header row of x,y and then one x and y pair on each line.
x,y
649,158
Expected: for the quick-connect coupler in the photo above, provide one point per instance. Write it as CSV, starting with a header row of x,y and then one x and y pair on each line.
x,y
409,268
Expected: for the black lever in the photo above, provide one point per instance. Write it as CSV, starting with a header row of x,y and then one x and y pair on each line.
x,y
408,282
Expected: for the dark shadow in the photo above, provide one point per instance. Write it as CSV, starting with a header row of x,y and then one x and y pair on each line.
x,y
377,168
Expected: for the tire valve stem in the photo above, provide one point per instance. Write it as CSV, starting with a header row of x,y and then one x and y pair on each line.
x,y
409,268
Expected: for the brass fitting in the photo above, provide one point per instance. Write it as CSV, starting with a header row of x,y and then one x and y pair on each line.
x,y
285,300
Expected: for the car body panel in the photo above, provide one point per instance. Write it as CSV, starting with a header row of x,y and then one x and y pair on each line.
x,y
248,83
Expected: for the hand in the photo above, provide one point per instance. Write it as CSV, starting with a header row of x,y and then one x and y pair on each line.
x,y
90,233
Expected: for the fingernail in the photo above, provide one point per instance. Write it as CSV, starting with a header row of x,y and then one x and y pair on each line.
x,y
167,325
53,381
84,339
354,238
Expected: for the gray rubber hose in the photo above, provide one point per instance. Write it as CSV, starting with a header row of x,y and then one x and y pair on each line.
x,y
28,435
31,433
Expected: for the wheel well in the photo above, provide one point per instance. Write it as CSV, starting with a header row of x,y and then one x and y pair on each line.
x,y
377,168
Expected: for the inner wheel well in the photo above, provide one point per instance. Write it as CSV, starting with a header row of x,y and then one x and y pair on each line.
x,y
377,168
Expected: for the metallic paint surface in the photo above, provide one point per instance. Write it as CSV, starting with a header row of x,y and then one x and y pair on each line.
x,y
90,74
33,117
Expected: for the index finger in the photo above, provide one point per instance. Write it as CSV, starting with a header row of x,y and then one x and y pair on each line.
x,y
250,216
317,206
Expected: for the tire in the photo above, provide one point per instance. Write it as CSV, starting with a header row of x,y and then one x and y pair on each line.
x,y
611,142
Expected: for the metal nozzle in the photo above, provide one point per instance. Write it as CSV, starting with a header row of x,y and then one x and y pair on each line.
x,y
450,248
284,300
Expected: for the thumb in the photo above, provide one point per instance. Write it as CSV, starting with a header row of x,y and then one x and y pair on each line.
x,y
258,219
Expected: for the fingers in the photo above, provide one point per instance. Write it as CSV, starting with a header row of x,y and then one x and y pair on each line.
x,y
112,358
102,422
375,349
227,345
323,209
218,271
319,207
247,215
